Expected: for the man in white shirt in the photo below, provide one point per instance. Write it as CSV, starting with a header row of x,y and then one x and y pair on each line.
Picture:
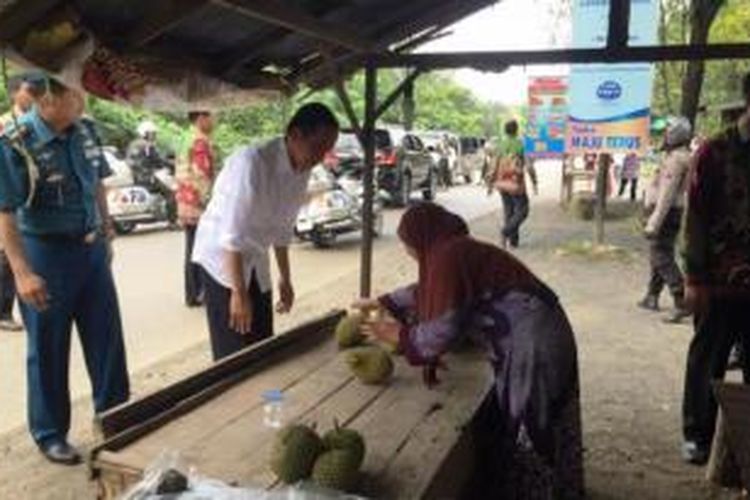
x,y
253,207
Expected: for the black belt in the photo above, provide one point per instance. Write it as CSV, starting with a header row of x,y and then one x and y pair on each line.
x,y
88,238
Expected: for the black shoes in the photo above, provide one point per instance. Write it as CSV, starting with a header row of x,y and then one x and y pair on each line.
x,y
60,452
649,302
694,454
677,315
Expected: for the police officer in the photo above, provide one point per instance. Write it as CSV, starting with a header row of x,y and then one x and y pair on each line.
x,y
55,225
19,91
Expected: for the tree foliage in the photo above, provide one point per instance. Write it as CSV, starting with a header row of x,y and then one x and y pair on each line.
x,y
441,104
721,79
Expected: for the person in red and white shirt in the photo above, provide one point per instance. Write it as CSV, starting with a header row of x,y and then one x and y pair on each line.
x,y
195,176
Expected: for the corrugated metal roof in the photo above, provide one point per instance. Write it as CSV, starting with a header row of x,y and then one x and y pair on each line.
x,y
252,44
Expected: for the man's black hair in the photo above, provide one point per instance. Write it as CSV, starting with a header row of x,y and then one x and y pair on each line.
x,y
194,115
313,117
511,127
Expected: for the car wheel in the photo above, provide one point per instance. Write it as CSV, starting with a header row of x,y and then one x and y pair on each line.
x,y
404,194
323,240
124,227
467,178
428,194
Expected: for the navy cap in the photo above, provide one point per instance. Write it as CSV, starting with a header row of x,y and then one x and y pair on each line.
x,y
34,77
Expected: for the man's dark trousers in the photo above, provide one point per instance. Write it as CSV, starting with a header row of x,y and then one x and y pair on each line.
x,y
515,211
725,321
81,292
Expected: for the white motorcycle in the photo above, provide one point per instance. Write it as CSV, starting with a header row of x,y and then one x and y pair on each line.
x,y
334,208
131,204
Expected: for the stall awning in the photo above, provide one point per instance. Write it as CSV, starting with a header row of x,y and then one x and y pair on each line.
x,y
207,53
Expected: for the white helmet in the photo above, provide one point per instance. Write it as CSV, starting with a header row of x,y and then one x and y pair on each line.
x,y
146,127
679,131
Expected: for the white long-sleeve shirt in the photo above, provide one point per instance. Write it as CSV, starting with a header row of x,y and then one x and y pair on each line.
x,y
253,206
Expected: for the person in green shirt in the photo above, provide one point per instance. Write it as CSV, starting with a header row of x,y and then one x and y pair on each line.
x,y
509,179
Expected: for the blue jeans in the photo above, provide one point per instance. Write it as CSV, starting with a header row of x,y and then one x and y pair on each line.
x,y
81,291
515,211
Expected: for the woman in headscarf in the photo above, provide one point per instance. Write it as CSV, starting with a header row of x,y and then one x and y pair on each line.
x,y
530,425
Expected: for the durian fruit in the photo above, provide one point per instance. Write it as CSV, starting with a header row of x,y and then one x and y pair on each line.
x,y
294,453
348,331
371,364
172,482
341,438
336,469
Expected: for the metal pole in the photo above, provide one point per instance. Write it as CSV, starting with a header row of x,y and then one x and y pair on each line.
x,y
368,133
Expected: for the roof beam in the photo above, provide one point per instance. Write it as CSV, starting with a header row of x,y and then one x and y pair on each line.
x,y
618,30
424,15
397,92
167,17
287,16
494,61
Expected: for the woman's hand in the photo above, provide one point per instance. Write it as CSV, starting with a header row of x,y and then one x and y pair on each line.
x,y
367,305
386,329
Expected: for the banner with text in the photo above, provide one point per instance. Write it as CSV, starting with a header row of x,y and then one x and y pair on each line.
x,y
610,103
546,117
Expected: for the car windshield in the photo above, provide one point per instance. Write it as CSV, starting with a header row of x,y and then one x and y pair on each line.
x,y
468,144
347,141
383,139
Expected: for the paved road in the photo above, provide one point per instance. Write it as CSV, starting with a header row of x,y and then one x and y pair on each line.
x,y
157,325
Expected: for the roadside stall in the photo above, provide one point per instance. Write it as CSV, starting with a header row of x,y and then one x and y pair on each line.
x,y
207,54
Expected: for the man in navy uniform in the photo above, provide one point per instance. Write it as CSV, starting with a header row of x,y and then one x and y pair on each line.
x,y
55,226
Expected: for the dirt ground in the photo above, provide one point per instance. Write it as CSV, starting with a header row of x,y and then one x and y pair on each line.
x,y
631,367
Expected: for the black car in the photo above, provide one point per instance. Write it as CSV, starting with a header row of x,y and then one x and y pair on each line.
x,y
404,165
346,156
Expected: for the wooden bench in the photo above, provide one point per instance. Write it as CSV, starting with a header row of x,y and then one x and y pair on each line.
x,y
730,454
417,439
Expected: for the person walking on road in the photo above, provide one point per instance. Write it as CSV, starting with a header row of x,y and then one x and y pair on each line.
x,y
631,170
509,178
254,205
663,224
195,176
55,226
717,267
22,99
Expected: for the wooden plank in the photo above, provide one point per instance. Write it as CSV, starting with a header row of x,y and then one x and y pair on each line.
x,y
214,380
203,422
239,452
411,432
734,399
393,425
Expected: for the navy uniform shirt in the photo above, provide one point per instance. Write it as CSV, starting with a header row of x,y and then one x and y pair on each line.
x,y
70,165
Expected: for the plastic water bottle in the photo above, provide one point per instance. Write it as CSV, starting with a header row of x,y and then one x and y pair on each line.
x,y
273,405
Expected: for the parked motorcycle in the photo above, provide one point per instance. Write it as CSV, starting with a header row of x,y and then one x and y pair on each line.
x,y
334,208
142,197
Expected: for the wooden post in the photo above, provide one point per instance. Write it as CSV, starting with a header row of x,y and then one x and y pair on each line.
x,y
408,106
600,201
368,133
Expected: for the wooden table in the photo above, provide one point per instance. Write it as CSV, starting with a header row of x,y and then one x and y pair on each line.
x,y
418,440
